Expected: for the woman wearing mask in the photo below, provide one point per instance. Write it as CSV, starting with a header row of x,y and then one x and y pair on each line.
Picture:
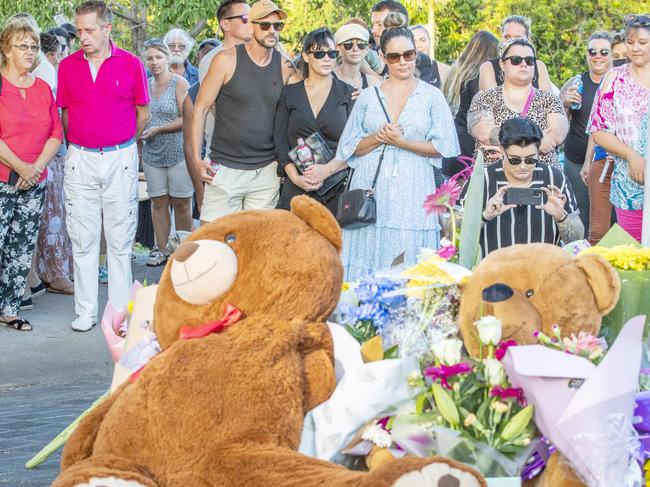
x,y
168,181
414,133
31,134
619,124
517,97
319,104
460,88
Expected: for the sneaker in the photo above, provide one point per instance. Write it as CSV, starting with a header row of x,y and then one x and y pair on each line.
x,y
153,251
103,274
157,259
26,304
38,290
83,324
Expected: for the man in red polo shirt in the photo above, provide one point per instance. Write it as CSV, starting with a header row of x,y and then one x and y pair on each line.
x,y
102,91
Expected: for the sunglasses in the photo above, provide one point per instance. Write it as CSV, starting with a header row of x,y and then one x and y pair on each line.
x,y
278,26
318,54
348,45
517,60
515,161
637,20
154,43
594,52
243,17
394,57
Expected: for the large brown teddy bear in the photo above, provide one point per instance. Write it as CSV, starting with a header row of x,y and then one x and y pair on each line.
x,y
226,409
532,287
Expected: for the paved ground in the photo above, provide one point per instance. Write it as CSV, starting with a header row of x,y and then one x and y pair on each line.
x,y
47,378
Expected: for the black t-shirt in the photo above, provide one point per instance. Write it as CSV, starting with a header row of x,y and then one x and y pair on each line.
x,y
451,165
575,145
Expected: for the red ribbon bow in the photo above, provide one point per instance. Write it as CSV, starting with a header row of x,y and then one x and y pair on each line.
x,y
231,315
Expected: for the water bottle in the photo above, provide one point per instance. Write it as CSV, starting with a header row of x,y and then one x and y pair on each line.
x,y
304,154
579,85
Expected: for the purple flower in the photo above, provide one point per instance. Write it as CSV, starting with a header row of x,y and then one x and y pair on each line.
x,y
445,372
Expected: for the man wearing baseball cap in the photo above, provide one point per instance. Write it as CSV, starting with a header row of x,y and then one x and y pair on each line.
x,y
245,84
352,42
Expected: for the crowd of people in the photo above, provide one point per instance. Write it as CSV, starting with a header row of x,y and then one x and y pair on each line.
x,y
78,128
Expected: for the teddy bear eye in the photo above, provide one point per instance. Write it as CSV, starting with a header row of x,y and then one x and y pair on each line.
x,y
230,238
530,293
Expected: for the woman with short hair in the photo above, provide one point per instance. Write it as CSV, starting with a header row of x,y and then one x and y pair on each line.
x,y
31,134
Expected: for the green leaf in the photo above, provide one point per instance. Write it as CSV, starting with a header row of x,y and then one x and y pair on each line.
x,y
392,352
469,253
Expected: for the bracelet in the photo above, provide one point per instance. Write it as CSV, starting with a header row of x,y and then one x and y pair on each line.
x,y
483,219
564,217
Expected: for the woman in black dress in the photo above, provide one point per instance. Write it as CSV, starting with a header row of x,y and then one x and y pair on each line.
x,y
320,104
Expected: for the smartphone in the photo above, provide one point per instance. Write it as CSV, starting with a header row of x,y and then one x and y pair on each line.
x,y
524,196
13,178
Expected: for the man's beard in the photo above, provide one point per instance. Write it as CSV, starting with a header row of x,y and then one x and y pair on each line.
x,y
177,59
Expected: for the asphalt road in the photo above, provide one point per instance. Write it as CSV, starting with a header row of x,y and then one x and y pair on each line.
x,y
47,378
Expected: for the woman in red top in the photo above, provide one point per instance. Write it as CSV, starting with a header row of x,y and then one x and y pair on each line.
x,y
30,134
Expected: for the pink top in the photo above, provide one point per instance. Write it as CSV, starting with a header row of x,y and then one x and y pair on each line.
x,y
101,112
27,123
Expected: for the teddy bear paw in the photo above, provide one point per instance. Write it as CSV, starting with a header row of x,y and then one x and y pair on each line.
x,y
110,482
437,475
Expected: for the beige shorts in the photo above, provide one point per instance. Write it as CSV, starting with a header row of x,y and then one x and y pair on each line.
x,y
234,190
174,181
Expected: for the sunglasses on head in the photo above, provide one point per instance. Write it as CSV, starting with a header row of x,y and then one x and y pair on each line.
x,y
243,17
594,52
394,57
515,161
637,21
278,26
517,60
348,45
319,54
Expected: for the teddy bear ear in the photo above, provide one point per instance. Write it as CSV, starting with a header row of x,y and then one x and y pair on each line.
x,y
317,217
603,279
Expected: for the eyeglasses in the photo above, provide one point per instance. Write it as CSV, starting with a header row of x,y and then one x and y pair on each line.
x,y
517,60
394,57
348,45
176,47
515,161
637,20
243,17
278,26
26,47
594,52
318,54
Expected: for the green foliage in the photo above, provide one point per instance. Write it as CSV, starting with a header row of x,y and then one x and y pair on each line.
x,y
560,27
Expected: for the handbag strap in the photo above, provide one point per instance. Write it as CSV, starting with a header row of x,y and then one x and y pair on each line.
x,y
381,156
529,102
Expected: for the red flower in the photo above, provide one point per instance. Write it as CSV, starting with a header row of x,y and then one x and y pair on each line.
x,y
447,252
503,346
509,393
446,196
445,372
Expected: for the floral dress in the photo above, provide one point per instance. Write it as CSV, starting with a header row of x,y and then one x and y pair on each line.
x,y
621,108
405,179
492,103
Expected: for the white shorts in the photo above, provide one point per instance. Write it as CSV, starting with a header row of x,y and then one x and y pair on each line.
x,y
234,190
174,181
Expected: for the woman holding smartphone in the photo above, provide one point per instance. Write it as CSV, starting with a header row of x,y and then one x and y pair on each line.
x,y
31,135
319,104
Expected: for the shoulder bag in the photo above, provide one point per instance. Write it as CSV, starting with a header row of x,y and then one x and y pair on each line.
x,y
358,208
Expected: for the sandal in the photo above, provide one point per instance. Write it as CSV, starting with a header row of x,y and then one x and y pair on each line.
x,y
157,259
61,286
18,324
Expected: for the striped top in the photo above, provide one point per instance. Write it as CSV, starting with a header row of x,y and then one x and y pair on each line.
x,y
525,223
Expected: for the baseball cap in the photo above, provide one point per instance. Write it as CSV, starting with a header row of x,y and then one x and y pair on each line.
x,y
263,8
71,29
349,32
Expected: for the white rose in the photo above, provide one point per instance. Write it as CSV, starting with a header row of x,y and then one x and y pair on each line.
x,y
448,350
494,371
374,433
489,330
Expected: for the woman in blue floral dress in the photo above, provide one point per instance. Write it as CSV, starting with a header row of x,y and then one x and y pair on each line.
x,y
420,133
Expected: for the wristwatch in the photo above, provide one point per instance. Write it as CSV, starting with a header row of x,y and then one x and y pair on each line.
x,y
564,217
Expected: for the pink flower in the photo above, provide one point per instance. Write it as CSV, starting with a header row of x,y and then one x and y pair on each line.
x,y
509,393
446,196
583,343
445,372
447,252
503,346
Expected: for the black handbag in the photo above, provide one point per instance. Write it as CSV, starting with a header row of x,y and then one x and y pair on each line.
x,y
358,208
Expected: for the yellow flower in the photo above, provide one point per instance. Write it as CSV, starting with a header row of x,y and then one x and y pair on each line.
x,y
129,307
623,257
345,287
427,273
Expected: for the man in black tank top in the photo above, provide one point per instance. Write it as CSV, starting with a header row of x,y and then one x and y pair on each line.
x,y
244,83
578,147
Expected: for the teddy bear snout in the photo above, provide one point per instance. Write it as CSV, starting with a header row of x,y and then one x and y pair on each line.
x,y
203,270
497,293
